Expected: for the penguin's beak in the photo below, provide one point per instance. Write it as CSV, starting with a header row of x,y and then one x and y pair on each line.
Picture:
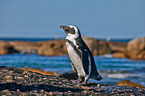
x,y
64,27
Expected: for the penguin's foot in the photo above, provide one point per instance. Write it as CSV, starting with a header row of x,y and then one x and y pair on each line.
x,y
75,81
79,83
79,80
83,84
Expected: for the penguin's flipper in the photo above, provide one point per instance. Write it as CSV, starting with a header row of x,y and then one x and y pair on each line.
x,y
90,66
85,61
86,64
94,73
98,77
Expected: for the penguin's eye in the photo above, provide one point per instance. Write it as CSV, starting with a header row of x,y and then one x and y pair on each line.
x,y
72,31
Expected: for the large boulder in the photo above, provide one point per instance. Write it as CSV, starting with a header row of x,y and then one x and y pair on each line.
x,y
52,48
118,49
6,48
98,47
136,48
117,46
119,55
26,47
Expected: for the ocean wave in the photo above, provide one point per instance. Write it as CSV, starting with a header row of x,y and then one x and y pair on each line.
x,y
121,76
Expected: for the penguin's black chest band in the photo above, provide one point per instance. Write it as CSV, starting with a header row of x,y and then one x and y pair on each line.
x,y
74,47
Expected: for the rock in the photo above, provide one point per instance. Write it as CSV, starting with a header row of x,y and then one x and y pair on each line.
x,y
119,55
8,77
141,55
26,47
3,48
98,47
38,71
9,81
20,78
129,83
117,46
52,48
6,48
136,48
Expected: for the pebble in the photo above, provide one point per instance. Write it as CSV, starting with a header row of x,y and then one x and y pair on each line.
x,y
21,78
44,78
41,91
98,85
25,72
26,76
9,81
8,77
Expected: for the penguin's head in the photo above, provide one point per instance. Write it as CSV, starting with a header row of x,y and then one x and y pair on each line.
x,y
71,31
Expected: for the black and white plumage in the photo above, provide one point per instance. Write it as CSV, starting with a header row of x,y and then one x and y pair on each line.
x,y
82,60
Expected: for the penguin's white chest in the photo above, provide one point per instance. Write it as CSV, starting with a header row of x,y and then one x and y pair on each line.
x,y
76,60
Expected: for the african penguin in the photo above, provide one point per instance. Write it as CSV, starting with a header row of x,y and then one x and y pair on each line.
x,y
82,60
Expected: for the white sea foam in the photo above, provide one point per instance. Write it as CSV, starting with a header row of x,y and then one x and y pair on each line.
x,y
108,55
120,76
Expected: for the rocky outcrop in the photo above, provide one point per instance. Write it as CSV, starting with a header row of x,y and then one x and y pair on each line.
x,y
52,48
117,46
48,48
98,47
136,48
6,48
129,84
39,71
118,49
17,82
26,47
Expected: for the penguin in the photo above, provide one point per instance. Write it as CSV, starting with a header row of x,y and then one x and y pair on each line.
x,y
82,60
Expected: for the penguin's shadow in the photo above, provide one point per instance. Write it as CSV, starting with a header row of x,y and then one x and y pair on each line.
x,y
48,88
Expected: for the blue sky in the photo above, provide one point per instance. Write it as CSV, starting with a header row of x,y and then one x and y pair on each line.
x,y
95,18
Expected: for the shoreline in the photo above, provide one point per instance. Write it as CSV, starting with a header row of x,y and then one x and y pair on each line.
x,y
73,76
15,81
